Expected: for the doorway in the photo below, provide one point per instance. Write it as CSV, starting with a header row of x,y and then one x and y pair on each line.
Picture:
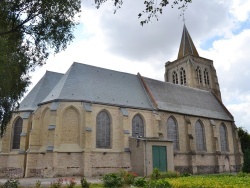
x,y
160,157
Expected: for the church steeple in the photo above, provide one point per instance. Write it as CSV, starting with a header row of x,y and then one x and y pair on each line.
x,y
187,46
191,70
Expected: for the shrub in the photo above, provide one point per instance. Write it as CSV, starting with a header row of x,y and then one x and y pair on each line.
x,y
162,183
156,174
186,174
246,164
11,183
38,184
169,174
128,177
242,174
140,182
112,180
56,184
71,183
84,183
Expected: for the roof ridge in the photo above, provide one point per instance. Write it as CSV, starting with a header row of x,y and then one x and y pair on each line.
x,y
83,64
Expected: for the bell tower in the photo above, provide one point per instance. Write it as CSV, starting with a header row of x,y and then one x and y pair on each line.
x,y
191,70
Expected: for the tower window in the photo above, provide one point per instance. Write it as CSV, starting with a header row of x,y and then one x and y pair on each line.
x,y
206,77
198,72
175,78
183,76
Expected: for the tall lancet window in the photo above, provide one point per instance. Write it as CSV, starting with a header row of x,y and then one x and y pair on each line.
x,y
200,136
172,132
137,126
198,72
206,77
183,76
223,138
103,130
175,77
17,130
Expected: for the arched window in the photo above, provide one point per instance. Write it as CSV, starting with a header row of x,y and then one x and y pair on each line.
x,y
200,136
172,132
16,133
183,76
206,77
198,72
175,78
223,138
137,126
103,130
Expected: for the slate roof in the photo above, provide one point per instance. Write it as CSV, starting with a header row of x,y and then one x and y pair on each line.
x,y
40,91
187,46
186,100
98,85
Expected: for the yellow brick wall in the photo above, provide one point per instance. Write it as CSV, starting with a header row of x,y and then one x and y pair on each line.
x,y
71,140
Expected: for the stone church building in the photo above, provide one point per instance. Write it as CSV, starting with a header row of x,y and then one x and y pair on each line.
x,y
91,121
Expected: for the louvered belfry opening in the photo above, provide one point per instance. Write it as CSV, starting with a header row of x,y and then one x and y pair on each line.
x,y
16,133
103,130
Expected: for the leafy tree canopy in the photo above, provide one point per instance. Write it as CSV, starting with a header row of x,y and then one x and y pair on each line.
x,y
30,30
244,137
152,7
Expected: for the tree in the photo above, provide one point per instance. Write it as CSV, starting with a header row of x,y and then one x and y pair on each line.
x,y
246,163
152,7
30,30
244,137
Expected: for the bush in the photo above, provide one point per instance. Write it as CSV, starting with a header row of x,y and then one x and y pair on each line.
x,y
186,174
38,184
128,177
112,180
11,183
157,174
84,183
140,182
56,184
162,183
246,164
169,174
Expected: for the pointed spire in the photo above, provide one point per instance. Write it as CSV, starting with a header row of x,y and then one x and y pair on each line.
x,y
187,46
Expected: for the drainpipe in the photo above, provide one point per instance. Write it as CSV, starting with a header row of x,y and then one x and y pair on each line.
x,y
146,160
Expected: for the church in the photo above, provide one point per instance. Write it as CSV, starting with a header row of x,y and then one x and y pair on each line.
x,y
91,121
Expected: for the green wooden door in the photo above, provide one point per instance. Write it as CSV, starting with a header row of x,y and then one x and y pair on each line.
x,y
160,157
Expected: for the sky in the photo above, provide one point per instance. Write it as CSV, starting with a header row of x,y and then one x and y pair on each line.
x,y
220,30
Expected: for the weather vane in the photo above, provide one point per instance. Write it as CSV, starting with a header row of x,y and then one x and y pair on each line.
x,y
183,15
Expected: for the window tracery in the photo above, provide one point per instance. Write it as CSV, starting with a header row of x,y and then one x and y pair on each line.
x,y
137,126
103,130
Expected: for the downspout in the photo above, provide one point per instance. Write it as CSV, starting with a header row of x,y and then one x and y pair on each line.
x,y
146,159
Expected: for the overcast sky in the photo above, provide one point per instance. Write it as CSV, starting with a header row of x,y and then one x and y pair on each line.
x,y
220,30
